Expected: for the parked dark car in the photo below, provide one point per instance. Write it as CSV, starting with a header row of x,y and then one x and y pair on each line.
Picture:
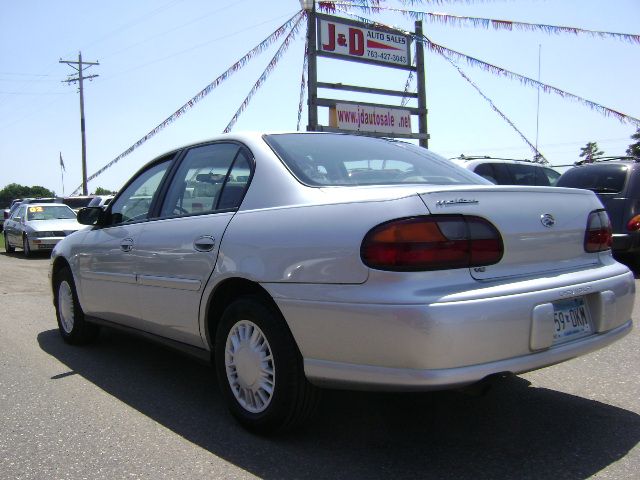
x,y
617,185
510,172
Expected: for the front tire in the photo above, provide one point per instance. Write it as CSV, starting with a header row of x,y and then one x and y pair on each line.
x,y
8,248
25,246
260,369
72,325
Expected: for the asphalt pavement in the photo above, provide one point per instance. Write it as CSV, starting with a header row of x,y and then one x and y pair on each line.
x,y
124,408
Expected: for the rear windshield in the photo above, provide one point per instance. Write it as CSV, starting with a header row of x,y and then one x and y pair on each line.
x,y
340,160
597,178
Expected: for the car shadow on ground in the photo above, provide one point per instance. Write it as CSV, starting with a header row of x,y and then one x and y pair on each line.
x,y
33,256
513,431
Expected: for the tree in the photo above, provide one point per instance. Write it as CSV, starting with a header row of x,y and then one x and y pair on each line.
x,y
103,191
634,148
15,190
590,153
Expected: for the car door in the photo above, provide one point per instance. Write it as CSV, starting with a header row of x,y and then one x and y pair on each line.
x,y
107,258
177,253
13,226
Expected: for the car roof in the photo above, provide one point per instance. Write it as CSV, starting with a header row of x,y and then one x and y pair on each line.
x,y
608,162
478,161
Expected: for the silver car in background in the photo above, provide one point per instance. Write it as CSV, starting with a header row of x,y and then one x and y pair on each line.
x,y
38,226
302,260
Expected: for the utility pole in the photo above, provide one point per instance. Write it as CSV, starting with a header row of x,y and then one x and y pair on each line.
x,y
79,66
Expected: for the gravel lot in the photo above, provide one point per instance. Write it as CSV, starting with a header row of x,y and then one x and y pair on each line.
x,y
125,408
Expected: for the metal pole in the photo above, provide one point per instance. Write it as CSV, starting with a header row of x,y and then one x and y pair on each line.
x,y
422,92
85,191
312,72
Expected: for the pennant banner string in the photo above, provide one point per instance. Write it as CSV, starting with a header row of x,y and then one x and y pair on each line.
x,y
262,46
531,82
536,153
474,62
457,20
270,67
303,82
407,85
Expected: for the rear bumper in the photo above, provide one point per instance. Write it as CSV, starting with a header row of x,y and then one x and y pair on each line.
x,y
457,339
367,377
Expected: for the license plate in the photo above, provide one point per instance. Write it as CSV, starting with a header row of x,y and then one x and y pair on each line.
x,y
571,320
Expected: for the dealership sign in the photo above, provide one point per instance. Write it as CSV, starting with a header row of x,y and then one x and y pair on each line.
x,y
363,118
342,37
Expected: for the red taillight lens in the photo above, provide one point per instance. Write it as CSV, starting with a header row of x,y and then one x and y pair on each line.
x,y
435,242
598,236
633,225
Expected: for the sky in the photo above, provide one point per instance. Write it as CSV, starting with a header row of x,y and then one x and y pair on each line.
x,y
156,55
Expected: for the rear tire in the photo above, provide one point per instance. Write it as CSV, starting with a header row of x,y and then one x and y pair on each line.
x,y
260,369
72,325
8,248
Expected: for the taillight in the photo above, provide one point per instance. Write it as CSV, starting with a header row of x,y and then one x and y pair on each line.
x,y
436,242
633,225
598,235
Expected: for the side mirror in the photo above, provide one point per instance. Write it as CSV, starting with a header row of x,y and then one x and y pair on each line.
x,y
90,216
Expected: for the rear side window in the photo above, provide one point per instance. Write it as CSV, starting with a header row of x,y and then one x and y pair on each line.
x,y
597,178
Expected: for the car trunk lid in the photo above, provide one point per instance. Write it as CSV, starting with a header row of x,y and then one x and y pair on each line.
x,y
542,228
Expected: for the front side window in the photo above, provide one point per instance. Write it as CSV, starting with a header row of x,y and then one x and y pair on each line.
x,y
333,159
209,178
135,202
19,213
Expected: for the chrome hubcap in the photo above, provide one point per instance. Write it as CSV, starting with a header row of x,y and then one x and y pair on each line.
x,y
65,306
249,366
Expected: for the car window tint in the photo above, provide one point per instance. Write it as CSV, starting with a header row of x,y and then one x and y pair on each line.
x,y
333,159
198,182
598,178
522,174
552,175
486,170
541,177
135,201
502,174
236,184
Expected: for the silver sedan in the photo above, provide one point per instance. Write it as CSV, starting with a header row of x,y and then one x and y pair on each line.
x,y
297,261
38,227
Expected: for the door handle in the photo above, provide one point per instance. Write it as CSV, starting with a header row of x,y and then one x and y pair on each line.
x,y
126,245
204,243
